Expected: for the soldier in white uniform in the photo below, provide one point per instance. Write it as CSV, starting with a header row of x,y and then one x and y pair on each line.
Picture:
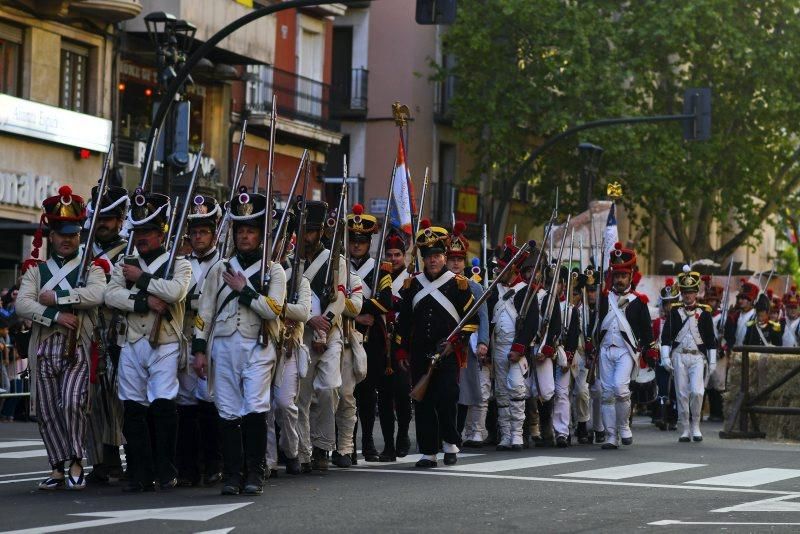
x,y
688,346
323,334
626,336
509,347
193,396
48,297
791,330
574,346
105,416
148,375
236,335
292,366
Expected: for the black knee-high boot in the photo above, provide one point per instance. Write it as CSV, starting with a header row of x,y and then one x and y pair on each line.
x,y
188,447
165,423
255,452
232,455
210,446
136,430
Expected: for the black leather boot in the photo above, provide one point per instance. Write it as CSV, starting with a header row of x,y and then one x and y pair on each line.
x,y
255,452
210,447
138,449
546,424
165,425
188,449
368,449
232,455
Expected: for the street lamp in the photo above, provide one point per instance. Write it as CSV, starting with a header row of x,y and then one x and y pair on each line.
x,y
591,155
172,38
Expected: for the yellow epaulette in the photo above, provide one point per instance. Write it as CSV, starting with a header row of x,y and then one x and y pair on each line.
x,y
676,305
476,278
706,307
386,266
407,281
751,323
462,282
776,326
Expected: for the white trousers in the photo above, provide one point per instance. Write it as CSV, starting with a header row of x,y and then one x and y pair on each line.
x,y
510,392
542,380
346,405
475,424
689,385
146,374
201,390
561,407
284,409
616,366
242,375
316,424
187,385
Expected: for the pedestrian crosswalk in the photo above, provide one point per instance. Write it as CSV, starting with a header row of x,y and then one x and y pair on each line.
x,y
647,472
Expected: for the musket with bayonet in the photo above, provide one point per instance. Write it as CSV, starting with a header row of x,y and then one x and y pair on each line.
x,y
222,229
552,298
484,259
332,268
425,184
266,249
530,294
277,253
421,387
86,259
171,238
180,224
724,304
293,294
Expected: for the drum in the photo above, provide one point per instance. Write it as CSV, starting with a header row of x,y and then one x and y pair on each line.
x,y
644,389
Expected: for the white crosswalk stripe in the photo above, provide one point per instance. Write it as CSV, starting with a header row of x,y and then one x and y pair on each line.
x,y
516,463
750,479
20,443
34,453
633,470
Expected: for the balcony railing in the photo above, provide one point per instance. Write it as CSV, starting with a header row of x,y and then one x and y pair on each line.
x,y
443,95
299,98
349,96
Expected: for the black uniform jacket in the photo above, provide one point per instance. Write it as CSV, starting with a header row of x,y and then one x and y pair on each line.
x,y
638,317
421,329
674,324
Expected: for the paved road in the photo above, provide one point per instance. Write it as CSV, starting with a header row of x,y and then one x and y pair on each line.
x,y
735,486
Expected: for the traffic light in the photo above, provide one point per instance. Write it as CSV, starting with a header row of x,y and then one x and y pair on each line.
x,y
436,11
697,102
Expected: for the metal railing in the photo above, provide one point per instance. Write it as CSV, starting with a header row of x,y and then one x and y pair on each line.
x,y
299,98
349,97
746,407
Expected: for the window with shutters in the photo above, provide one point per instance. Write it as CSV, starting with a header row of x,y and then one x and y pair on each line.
x,y
10,59
74,77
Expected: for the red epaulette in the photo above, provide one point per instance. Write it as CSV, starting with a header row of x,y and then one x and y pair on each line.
x,y
641,296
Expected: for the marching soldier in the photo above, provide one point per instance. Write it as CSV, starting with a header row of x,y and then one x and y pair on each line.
x,y
433,303
712,297
761,330
791,330
665,415
597,434
148,375
292,367
531,433
509,344
626,335
393,382
475,381
195,404
737,321
354,369
105,416
371,323
574,345
688,344
324,336
47,297
241,326
543,352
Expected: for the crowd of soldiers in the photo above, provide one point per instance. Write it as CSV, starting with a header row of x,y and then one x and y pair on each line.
x,y
212,368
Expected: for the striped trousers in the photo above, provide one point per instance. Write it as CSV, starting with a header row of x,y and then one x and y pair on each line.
x,y
62,399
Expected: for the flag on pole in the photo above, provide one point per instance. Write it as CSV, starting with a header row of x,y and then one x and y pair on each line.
x,y
402,206
610,235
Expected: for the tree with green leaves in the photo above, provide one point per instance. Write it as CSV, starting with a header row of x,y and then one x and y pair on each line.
x,y
529,70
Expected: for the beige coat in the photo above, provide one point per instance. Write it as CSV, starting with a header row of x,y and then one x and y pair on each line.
x,y
141,323
84,301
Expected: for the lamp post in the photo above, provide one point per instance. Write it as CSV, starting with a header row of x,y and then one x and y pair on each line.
x,y
591,155
172,38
